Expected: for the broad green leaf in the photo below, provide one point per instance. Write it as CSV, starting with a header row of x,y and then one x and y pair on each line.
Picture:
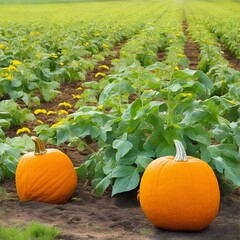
x,y
102,185
124,184
63,134
122,171
9,165
122,145
82,171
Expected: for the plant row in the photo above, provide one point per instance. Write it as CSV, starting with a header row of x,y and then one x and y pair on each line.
x,y
144,104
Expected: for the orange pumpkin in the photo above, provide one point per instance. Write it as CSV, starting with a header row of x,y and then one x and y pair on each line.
x,y
46,175
179,194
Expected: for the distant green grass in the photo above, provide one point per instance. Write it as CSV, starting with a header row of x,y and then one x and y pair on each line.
x,y
47,1
33,231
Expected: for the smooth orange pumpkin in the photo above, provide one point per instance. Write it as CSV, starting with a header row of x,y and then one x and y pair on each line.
x,y
46,175
179,194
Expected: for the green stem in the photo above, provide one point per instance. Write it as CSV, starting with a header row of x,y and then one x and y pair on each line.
x,y
170,109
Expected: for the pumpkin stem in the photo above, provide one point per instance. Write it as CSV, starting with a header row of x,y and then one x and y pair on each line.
x,y
181,155
39,146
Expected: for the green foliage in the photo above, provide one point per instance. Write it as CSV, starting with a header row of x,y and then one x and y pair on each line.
x,y
145,129
33,231
11,149
13,115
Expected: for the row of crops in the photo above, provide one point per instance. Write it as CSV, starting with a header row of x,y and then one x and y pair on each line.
x,y
135,112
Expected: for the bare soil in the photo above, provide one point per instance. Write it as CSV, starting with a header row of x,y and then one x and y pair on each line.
x,y
88,216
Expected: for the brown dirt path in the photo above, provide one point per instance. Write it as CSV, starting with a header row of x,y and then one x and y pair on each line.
x,y
190,49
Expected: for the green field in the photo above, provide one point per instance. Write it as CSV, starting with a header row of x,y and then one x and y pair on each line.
x,y
43,46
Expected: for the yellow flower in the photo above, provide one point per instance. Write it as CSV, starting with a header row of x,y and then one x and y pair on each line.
x,y
100,74
10,67
53,55
10,77
104,67
22,130
2,46
79,88
65,104
171,41
61,63
62,112
176,68
180,55
34,33
100,107
58,123
40,121
16,62
38,111
105,45
76,96
97,34
50,112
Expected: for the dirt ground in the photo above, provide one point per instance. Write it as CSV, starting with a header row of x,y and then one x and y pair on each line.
x,y
87,216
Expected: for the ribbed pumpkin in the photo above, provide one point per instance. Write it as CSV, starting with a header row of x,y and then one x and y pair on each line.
x,y
179,193
46,175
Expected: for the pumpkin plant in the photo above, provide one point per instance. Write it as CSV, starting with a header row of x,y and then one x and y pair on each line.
x,y
45,175
179,193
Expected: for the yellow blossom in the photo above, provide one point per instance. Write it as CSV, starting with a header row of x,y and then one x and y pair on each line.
x,y
100,74
2,46
38,111
10,77
105,45
100,107
10,67
34,33
176,68
50,112
53,55
76,96
62,112
65,104
61,63
16,62
79,88
180,55
40,121
104,67
58,123
22,130
97,34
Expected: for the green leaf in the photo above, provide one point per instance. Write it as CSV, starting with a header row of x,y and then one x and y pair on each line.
x,y
102,185
10,165
122,171
62,134
122,145
127,183
82,171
